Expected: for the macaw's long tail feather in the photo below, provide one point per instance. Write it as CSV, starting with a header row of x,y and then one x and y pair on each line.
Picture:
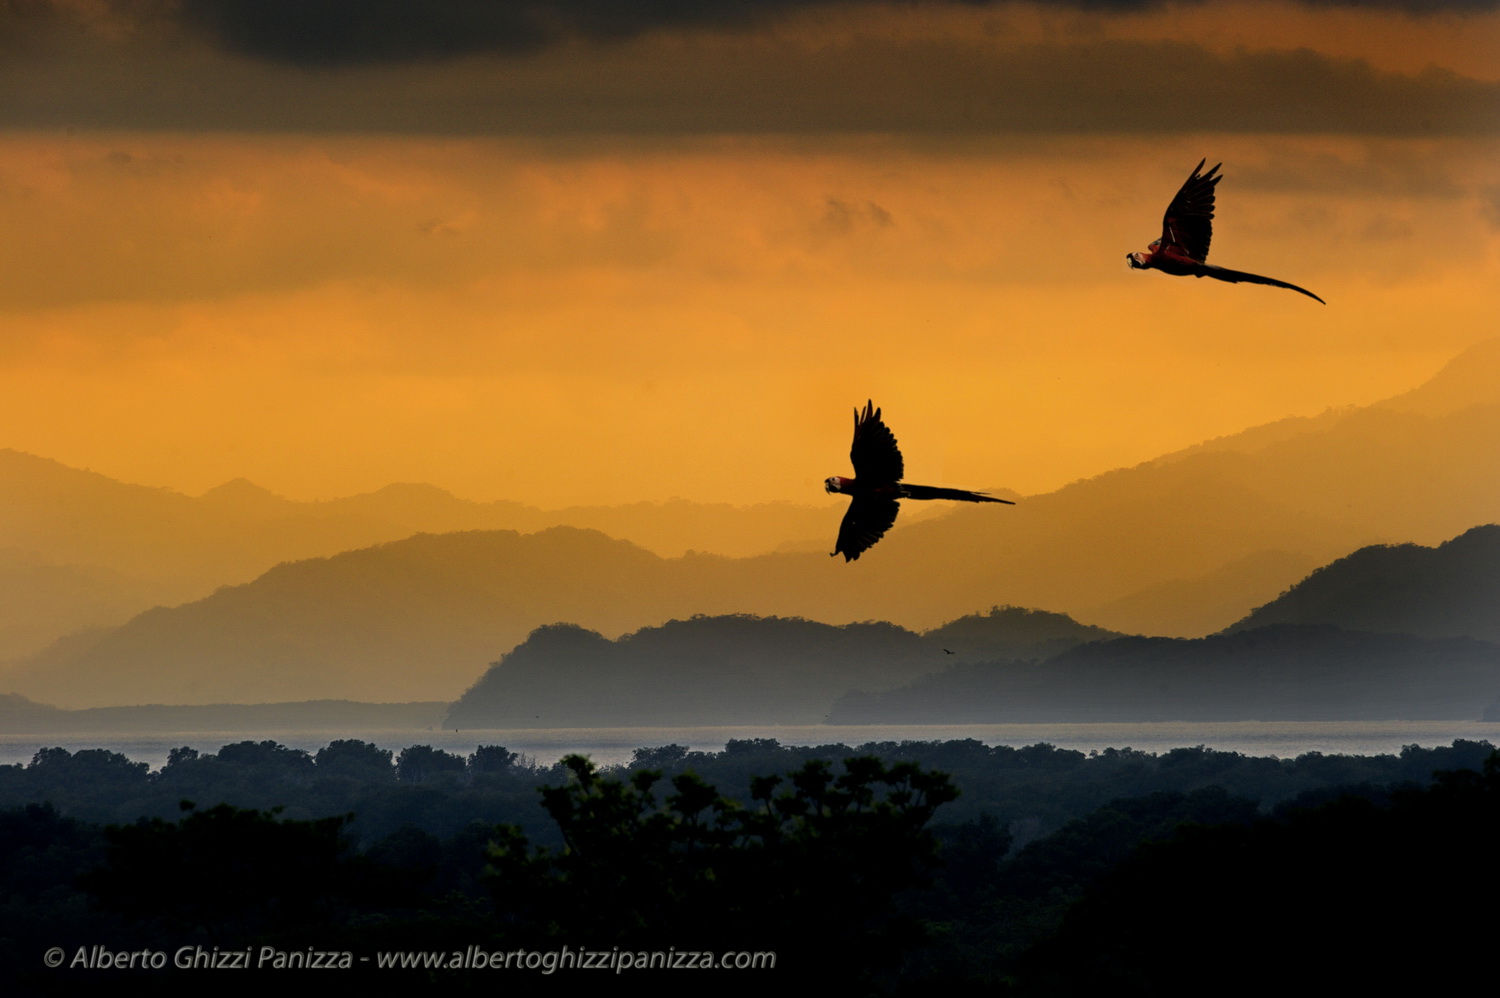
x,y
1236,276
933,492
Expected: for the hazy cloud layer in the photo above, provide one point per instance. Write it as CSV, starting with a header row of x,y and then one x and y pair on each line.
x,y
133,218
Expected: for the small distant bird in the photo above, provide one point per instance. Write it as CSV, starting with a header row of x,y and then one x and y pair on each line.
x,y
876,486
1185,234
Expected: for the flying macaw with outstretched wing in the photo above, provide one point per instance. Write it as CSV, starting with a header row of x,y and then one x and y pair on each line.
x,y
1187,229
876,487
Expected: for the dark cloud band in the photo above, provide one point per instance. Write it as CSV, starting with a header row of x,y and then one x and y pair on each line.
x,y
349,32
938,90
335,33
141,75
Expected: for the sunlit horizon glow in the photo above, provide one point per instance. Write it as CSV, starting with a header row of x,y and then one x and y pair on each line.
x,y
593,278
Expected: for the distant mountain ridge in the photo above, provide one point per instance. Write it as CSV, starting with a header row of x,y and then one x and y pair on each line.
x,y
1223,529
1007,664
83,550
75,516
732,670
1388,632
406,621
1011,666
1452,590
1014,632
1281,672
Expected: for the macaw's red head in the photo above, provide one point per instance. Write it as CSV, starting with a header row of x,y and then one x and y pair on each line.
x,y
835,484
1137,261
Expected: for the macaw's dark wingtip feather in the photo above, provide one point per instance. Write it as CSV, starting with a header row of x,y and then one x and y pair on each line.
x,y
1293,287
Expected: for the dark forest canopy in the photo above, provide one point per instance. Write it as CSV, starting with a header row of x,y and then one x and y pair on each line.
x,y
1034,789
865,858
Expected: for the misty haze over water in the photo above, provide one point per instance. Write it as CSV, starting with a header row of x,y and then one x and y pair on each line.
x,y
611,746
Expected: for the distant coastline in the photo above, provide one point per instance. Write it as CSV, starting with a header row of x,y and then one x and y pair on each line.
x,y
611,746
21,716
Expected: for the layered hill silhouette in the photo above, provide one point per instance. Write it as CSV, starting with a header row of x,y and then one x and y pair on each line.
x,y
1184,545
403,620
732,670
1312,654
1452,590
1283,672
78,549
43,601
1400,632
407,621
1006,665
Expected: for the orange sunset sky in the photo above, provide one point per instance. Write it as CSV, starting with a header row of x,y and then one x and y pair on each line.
x,y
587,252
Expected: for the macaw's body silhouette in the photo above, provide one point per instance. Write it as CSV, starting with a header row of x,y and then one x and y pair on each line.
x,y
876,486
1185,234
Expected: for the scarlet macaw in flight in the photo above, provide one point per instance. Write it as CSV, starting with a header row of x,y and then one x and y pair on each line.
x,y
1185,234
876,486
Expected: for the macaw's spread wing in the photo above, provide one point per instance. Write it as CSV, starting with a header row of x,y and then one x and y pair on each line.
x,y
865,522
876,458
1188,224
1236,276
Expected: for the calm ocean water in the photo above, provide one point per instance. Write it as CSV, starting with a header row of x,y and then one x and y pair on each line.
x,y
607,746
